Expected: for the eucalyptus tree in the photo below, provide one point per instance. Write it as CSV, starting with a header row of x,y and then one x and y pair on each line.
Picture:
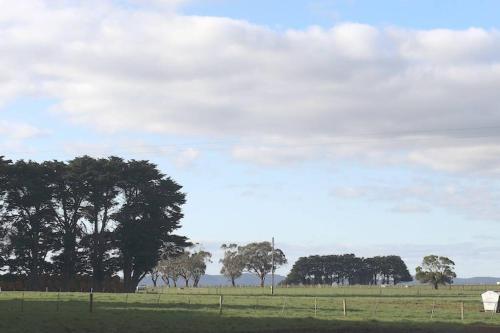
x,y
169,270
30,217
436,270
155,275
168,266
233,263
198,265
183,262
258,258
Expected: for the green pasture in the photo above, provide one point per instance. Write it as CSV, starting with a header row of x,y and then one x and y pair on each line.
x,y
305,309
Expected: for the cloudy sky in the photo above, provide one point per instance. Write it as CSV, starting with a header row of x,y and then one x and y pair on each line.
x,y
368,127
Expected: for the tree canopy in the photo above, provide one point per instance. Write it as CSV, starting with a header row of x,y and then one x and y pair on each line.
x,y
86,217
436,271
233,263
348,269
258,258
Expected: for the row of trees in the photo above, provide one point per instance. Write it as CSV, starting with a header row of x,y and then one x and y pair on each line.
x,y
258,258
190,266
348,269
86,217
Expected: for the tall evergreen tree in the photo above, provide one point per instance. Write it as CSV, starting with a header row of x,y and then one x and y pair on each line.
x,y
101,202
151,211
31,218
69,191
4,165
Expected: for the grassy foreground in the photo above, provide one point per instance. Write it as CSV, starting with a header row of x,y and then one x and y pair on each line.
x,y
368,309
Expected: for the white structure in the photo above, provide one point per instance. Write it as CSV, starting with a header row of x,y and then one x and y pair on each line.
x,y
490,300
141,287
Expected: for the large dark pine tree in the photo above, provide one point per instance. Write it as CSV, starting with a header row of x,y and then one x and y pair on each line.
x,y
4,164
151,211
69,188
101,202
86,218
30,218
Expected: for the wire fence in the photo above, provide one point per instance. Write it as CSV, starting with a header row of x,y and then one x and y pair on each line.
x,y
287,306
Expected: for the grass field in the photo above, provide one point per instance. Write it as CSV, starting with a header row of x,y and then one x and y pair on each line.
x,y
368,309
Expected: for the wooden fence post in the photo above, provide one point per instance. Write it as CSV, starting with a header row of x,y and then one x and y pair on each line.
x,y
22,302
91,302
58,299
375,308
315,306
344,307
284,303
462,310
432,310
220,304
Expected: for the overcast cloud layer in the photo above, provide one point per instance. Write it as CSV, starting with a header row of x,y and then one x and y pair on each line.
x,y
387,94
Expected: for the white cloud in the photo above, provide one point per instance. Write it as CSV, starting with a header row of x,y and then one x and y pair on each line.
x,y
15,131
353,91
187,157
473,199
410,208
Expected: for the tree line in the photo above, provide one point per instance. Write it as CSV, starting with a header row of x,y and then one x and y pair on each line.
x,y
348,269
258,258
87,217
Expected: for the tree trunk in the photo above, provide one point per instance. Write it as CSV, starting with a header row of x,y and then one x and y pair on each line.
x,y
69,258
232,282
127,276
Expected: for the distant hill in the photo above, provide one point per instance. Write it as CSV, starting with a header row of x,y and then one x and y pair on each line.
x,y
477,280
252,280
220,280
467,281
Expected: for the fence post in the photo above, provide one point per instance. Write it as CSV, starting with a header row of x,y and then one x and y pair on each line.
x,y
126,301
283,308
375,308
91,301
462,310
315,306
158,301
220,304
344,307
58,298
432,310
22,302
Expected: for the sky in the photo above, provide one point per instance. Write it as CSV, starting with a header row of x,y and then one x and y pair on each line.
x,y
341,126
